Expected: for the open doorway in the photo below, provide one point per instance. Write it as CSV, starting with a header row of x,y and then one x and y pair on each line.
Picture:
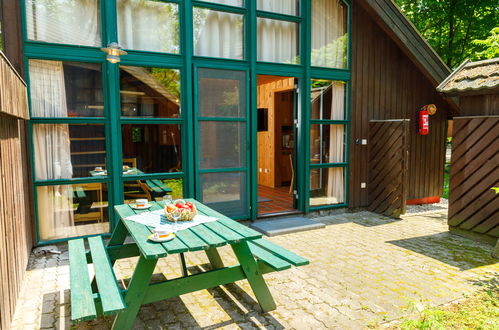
x,y
276,145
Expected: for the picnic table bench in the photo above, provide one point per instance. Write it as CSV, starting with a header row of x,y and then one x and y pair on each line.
x,y
101,294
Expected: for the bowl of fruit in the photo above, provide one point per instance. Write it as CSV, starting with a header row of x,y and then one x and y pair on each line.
x,y
187,210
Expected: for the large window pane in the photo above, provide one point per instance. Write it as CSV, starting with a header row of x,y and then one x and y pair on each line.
x,y
222,144
225,192
236,3
277,41
149,25
288,7
327,186
74,22
327,144
218,34
149,92
72,210
329,34
151,148
153,190
222,93
65,89
64,151
327,100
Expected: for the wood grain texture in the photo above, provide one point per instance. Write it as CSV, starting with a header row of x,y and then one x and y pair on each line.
x,y
473,205
15,198
388,163
387,84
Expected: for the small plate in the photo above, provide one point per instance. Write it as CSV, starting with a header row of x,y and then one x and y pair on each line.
x,y
145,207
159,240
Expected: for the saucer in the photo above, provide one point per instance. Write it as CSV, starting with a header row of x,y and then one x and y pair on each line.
x,y
145,207
159,240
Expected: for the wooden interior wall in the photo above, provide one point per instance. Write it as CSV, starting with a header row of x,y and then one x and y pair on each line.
x,y
473,205
479,105
386,84
15,199
267,87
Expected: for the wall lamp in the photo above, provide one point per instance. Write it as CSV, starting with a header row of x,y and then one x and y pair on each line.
x,y
113,51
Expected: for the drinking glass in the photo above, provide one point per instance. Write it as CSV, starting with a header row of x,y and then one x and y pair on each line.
x,y
175,214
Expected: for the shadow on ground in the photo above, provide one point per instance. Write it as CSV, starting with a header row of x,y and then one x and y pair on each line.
x,y
453,250
366,219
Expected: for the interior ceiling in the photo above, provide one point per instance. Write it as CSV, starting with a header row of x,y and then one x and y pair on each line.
x,y
265,79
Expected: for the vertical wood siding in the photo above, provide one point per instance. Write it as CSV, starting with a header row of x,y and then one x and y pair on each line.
x,y
15,220
386,84
482,105
473,205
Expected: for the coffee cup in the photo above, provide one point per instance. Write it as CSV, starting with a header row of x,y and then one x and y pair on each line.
x,y
141,202
98,169
160,232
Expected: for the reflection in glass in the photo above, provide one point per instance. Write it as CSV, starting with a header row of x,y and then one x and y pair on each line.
x,y
222,93
222,144
225,192
218,34
148,25
236,3
64,151
329,34
327,186
327,99
327,143
65,89
149,92
152,148
153,189
72,210
74,22
277,41
287,7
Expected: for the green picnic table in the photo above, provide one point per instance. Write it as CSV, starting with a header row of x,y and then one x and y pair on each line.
x,y
103,296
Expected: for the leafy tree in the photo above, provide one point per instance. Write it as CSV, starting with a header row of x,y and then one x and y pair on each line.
x,y
490,45
450,26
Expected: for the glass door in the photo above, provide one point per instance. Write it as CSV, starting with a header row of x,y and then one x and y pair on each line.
x,y
222,140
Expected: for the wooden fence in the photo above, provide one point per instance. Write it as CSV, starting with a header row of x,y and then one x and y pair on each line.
x,y
15,220
388,166
473,205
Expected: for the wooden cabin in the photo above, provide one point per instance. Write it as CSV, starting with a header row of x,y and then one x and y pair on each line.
x,y
256,108
473,204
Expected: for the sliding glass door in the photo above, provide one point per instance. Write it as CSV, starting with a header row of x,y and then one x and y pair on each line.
x,y
222,138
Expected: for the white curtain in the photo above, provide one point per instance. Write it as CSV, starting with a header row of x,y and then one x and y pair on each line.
x,y
336,181
148,25
218,34
75,22
277,41
52,150
288,7
329,35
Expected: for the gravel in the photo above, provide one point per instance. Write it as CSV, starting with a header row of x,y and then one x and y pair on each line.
x,y
427,208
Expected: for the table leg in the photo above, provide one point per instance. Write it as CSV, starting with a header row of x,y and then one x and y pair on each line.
x,y
254,276
215,259
137,290
119,234
183,264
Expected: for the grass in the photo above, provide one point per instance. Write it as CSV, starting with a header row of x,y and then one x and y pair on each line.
x,y
479,311
446,181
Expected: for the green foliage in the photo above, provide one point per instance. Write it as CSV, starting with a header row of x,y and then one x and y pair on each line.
x,y
451,25
490,45
496,189
176,186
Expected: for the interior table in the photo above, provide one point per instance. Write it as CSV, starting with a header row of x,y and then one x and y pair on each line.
x,y
208,237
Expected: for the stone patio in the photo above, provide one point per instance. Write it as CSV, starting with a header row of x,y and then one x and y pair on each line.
x,y
365,270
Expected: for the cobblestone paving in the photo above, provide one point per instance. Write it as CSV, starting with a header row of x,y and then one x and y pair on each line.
x,y
364,270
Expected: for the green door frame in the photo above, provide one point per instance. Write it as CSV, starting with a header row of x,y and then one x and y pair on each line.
x,y
186,62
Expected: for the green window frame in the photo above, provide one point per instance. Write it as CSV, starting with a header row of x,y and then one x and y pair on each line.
x,y
186,62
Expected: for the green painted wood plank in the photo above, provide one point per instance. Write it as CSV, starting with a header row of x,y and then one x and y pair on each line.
x,y
193,242
124,210
175,246
162,185
82,303
281,252
80,193
268,258
153,186
111,298
229,235
139,232
208,236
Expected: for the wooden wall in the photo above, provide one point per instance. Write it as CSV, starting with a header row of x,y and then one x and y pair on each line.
x,y
268,86
479,105
15,199
473,205
386,84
